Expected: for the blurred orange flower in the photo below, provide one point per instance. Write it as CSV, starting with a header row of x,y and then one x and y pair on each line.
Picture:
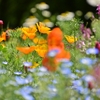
x,y
55,36
50,63
56,51
26,50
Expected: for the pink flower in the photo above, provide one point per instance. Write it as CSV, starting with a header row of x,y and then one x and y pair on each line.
x,y
98,9
1,22
86,31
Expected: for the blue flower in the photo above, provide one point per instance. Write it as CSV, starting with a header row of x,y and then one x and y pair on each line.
x,y
88,61
22,81
53,53
92,51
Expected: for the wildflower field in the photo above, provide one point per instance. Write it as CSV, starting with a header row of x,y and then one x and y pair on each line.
x,y
38,62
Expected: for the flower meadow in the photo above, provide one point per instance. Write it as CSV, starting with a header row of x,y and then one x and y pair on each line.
x,y
62,62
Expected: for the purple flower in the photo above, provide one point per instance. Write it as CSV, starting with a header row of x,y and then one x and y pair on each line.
x,y
86,31
82,27
98,9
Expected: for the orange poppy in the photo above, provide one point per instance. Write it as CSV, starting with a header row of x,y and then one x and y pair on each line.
x,y
3,36
42,28
55,36
63,54
51,63
57,45
26,50
41,50
29,32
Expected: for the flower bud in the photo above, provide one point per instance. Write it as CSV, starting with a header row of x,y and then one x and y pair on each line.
x,y
97,45
1,22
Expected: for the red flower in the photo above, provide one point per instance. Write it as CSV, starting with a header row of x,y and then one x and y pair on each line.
x,y
97,45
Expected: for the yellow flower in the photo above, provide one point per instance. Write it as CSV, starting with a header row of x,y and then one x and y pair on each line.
x,y
29,32
42,28
41,50
35,65
71,39
39,41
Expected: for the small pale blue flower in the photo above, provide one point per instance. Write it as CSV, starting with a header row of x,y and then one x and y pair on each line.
x,y
92,51
53,53
87,61
27,64
22,81
52,88
17,73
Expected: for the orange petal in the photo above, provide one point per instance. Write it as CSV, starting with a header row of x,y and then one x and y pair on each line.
x,y
24,37
26,50
50,64
3,35
55,36
63,55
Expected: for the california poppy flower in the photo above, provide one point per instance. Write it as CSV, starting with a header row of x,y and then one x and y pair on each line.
x,y
41,50
57,45
26,50
55,36
3,36
71,39
51,62
42,28
39,40
34,65
29,32
56,51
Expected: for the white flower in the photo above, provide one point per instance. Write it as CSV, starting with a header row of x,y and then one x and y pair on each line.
x,y
93,2
46,13
42,6
30,21
65,16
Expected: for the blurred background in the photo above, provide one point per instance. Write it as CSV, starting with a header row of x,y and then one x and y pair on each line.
x,y
16,13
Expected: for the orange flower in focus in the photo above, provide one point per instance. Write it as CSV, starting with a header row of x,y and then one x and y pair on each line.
x,y
3,36
26,50
29,32
39,40
41,50
42,28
